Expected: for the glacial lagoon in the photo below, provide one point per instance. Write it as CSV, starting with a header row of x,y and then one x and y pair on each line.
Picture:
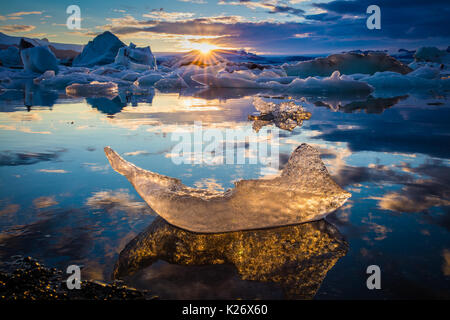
x,y
62,203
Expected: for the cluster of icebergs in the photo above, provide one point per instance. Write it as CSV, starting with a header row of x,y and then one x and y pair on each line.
x,y
106,66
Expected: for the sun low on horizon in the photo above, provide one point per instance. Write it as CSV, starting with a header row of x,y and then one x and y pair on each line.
x,y
204,47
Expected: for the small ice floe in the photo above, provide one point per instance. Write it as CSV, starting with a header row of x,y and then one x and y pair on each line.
x,y
46,75
148,79
175,82
303,192
130,76
336,83
285,115
93,88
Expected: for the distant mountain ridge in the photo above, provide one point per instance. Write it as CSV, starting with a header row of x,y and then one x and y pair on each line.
x,y
63,51
7,41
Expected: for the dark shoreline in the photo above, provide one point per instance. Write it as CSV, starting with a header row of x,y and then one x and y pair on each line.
x,y
24,278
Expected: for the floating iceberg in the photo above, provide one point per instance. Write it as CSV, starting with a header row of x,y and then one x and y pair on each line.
x,y
102,50
336,83
187,72
285,115
421,79
346,63
426,72
171,83
93,88
148,80
136,58
247,79
432,54
304,192
45,76
39,59
130,76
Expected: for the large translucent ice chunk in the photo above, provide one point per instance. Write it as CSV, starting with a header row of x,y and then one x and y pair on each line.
x,y
303,192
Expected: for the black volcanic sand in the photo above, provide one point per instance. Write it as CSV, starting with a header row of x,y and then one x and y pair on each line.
x,y
23,278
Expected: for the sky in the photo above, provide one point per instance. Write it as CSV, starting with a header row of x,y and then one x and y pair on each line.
x,y
264,27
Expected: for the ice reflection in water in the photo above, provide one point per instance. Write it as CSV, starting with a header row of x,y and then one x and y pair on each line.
x,y
295,258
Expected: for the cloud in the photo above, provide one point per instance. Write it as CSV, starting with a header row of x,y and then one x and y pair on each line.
x,y
209,184
393,134
70,230
400,201
4,18
21,129
194,1
350,175
53,171
271,7
415,19
95,167
312,26
226,31
44,202
302,35
136,153
39,35
315,27
17,28
18,15
335,25
24,13
162,15
117,200
10,209
379,230
421,194
8,158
